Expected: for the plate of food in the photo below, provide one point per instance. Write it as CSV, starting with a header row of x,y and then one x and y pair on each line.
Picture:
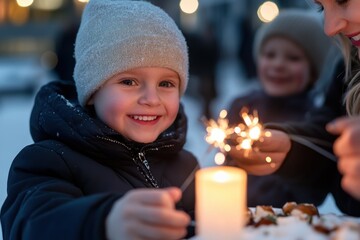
x,y
297,222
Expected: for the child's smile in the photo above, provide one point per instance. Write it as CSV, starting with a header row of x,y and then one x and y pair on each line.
x,y
145,119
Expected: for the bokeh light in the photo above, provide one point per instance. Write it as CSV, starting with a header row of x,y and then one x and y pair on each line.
x,y
48,5
219,158
189,6
24,3
267,11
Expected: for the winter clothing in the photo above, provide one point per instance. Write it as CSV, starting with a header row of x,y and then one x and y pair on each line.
x,y
272,189
113,38
64,185
301,27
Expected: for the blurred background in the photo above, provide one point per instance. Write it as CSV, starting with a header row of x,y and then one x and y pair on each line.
x,y
36,46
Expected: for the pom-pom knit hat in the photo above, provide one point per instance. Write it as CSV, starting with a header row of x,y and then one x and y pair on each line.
x,y
302,27
119,35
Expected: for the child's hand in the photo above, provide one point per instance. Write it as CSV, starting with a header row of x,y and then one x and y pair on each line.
x,y
347,148
147,214
276,147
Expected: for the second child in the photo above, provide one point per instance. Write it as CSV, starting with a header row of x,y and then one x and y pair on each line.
x,y
289,65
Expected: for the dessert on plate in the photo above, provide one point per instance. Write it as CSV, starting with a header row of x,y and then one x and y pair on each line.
x,y
299,222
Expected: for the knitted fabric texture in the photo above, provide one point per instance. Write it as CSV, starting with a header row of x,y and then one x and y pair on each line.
x,y
119,35
303,28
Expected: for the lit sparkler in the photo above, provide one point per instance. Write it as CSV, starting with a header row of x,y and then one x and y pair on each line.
x,y
218,131
244,134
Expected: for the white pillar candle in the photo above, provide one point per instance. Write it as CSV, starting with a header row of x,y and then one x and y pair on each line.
x,y
220,202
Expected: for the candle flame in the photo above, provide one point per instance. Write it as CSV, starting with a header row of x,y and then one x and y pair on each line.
x,y
221,176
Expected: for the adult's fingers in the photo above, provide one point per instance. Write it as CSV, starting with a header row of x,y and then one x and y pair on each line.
x,y
348,142
349,166
351,185
338,125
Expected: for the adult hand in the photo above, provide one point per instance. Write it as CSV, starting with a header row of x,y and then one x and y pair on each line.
x,y
254,162
147,214
347,148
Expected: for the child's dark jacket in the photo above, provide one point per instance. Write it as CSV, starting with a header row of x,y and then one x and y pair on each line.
x,y
63,186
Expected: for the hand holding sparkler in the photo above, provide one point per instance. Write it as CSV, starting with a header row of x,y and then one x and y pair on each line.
x,y
256,150
273,149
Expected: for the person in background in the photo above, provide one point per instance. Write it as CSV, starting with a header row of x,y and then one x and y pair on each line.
x,y
204,56
289,64
64,48
335,126
108,158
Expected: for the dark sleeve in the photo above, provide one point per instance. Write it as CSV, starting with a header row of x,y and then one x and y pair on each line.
x,y
43,201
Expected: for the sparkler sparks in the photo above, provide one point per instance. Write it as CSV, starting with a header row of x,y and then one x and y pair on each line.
x,y
218,131
244,134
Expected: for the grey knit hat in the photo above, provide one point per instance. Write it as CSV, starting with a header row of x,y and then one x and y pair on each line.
x,y
119,35
302,27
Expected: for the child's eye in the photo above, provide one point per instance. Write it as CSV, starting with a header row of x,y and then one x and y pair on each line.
x,y
340,2
294,58
269,54
128,82
320,8
167,84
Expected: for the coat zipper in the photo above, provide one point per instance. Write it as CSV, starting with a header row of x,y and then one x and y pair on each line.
x,y
146,171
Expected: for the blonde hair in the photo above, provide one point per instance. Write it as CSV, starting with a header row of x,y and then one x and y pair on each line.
x,y
352,97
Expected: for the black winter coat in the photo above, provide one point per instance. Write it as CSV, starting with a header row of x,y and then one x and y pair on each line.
x,y
64,185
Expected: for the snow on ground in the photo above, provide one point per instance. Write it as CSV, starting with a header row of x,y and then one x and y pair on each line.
x,y
15,113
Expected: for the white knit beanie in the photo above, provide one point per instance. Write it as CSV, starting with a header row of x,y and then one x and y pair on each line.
x,y
119,35
302,27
